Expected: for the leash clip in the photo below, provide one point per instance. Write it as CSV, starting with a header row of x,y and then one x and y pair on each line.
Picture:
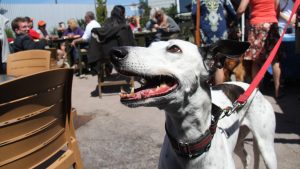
x,y
229,110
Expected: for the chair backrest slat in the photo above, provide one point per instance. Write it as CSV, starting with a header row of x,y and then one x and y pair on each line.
x,y
33,160
28,62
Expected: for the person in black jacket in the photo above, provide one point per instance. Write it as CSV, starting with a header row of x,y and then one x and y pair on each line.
x,y
114,32
23,40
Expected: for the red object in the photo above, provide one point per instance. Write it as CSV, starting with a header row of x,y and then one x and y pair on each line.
x,y
33,34
132,26
263,10
243,98
10,40
41,23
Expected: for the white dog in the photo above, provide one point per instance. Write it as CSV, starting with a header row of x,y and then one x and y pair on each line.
x,y
176,75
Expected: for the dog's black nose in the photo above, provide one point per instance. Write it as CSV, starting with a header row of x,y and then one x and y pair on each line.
x,y
118,54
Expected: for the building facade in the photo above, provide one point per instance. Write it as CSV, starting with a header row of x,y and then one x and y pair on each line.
x,y
51,13
161,3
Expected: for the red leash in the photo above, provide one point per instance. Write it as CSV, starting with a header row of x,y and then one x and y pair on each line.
x,y
243,98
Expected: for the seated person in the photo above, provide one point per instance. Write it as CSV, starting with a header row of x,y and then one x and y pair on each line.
x,y
42,29
61,29
23,41
73,31
32,33
152,21
134,23
91,23
165,25
115,32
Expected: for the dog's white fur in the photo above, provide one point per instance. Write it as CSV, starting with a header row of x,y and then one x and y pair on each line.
x,y
188,108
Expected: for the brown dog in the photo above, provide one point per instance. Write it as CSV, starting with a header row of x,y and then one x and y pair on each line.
x,y
239,67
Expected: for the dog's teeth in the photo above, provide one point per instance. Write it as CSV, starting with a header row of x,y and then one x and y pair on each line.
x,y
122,90
132,90
163,85
157,88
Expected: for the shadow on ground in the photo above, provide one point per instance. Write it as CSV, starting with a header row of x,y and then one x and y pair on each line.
x,y
114,88
288,118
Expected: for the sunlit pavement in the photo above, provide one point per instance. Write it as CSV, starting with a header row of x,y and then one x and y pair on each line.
x,y
113,136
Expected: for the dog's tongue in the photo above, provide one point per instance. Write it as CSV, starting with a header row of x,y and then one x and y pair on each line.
x,y
147,93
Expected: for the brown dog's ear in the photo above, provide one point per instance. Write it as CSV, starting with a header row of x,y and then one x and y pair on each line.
x,y
215,54
230,48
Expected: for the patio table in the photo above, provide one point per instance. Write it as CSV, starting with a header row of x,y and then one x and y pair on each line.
x,y
142,37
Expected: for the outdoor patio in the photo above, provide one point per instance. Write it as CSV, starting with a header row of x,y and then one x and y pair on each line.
x,y
113,136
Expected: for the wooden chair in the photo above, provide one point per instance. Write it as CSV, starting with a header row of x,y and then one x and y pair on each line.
x,y
36,123
53,57
102,41
28,62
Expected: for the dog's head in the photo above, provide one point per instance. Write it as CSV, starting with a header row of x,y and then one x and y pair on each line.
x,y
171,70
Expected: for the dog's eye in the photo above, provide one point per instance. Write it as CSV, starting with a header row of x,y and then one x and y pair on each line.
x,y
174,49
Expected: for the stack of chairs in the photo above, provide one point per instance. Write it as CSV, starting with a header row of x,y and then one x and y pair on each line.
x,y
36,122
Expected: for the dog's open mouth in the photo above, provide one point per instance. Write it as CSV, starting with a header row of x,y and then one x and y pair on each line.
x,y
152,86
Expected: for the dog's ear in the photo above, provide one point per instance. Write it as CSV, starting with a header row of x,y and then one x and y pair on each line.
x,y
208,59
230,48
214,55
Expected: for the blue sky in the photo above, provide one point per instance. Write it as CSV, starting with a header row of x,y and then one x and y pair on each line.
x,y
110,2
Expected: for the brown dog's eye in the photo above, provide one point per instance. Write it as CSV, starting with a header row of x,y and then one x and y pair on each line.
x,y
174,49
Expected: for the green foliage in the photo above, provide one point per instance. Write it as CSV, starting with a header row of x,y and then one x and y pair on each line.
x,y
171,11
145,16
101,12
81,23
9,33
53,31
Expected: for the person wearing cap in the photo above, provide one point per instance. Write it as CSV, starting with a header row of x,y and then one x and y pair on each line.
x,y
23,41
32,33
42,29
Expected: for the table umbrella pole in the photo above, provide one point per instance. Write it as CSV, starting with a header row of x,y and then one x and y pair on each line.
x,y
197,31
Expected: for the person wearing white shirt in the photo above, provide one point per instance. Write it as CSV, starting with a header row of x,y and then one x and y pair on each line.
x,y
91,23
4,44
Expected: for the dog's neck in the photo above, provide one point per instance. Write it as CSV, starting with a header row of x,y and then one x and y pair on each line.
x,y
191,119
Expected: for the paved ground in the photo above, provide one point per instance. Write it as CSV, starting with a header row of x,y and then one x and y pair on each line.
x,y
113,136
